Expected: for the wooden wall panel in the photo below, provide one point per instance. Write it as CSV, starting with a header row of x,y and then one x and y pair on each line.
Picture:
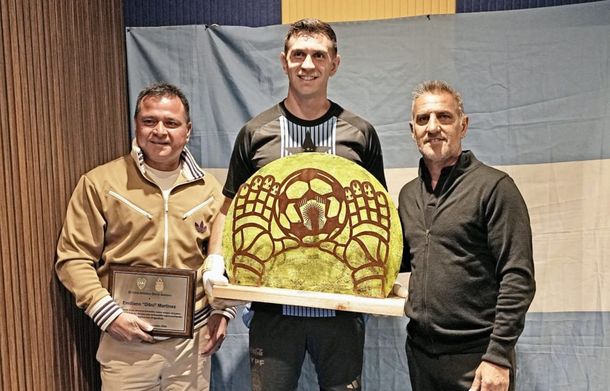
x,y
346,10
63,110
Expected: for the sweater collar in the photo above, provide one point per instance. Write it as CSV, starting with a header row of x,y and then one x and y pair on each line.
x,y
465,162
190,169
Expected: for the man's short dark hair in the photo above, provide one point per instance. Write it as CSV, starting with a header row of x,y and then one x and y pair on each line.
x,y
163,90
311,26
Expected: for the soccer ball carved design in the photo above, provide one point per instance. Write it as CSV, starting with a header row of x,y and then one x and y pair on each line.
x,y
310,206
307,228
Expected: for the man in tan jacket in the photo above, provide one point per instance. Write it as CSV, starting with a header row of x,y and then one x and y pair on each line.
x,y
154,207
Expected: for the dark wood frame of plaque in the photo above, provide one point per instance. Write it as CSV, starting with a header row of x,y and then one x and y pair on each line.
x,y
190,276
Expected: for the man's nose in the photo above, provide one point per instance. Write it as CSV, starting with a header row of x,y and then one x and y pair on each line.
x,y
308,63
160,128
433,124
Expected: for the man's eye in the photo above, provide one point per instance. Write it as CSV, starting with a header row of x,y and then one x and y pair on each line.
x,y
319,56
298,55
422,120
149,122
445,118
171,124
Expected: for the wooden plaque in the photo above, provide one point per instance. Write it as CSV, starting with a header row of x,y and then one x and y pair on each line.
x,y
162,297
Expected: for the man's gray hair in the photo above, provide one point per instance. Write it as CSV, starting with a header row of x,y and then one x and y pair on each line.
x,y
435,87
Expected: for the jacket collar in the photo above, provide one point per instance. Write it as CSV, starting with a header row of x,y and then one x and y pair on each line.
x,y
190,169
466,162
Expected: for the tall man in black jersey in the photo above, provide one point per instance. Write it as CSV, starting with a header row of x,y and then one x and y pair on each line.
x,y
306,121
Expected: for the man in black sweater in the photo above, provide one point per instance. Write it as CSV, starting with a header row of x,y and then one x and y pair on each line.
x,y
468,245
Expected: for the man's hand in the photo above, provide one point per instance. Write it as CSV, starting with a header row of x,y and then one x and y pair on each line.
x,y
213,274
212,336
129,328
490,377
399,290
401,285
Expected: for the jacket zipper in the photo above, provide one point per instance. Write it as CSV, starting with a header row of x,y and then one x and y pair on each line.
x,y
165,215
195,209
166,220
166,228
130,204
425,288
425,295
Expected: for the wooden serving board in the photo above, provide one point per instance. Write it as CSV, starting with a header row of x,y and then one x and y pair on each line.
x,y
391,306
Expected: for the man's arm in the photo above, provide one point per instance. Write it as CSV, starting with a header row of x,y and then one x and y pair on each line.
x,y
80,246
214,264
374,158
214,269
215,242
510,241
240,167
79,249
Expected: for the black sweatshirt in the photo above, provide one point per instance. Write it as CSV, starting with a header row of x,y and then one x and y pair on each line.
x,y
468,245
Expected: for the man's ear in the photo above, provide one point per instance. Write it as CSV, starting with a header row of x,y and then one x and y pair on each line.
x,y
284,62
335,64
189,127
412,132
465,122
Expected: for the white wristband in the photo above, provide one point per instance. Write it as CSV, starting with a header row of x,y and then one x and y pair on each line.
x,y
215,263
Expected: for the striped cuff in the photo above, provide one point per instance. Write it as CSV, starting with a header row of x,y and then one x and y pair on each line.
x,y
229,312
200,318
104,312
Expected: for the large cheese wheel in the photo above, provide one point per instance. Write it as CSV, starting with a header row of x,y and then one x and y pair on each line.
x,y
317,222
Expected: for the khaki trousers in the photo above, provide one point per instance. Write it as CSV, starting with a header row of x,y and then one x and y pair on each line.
x,y
170,365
